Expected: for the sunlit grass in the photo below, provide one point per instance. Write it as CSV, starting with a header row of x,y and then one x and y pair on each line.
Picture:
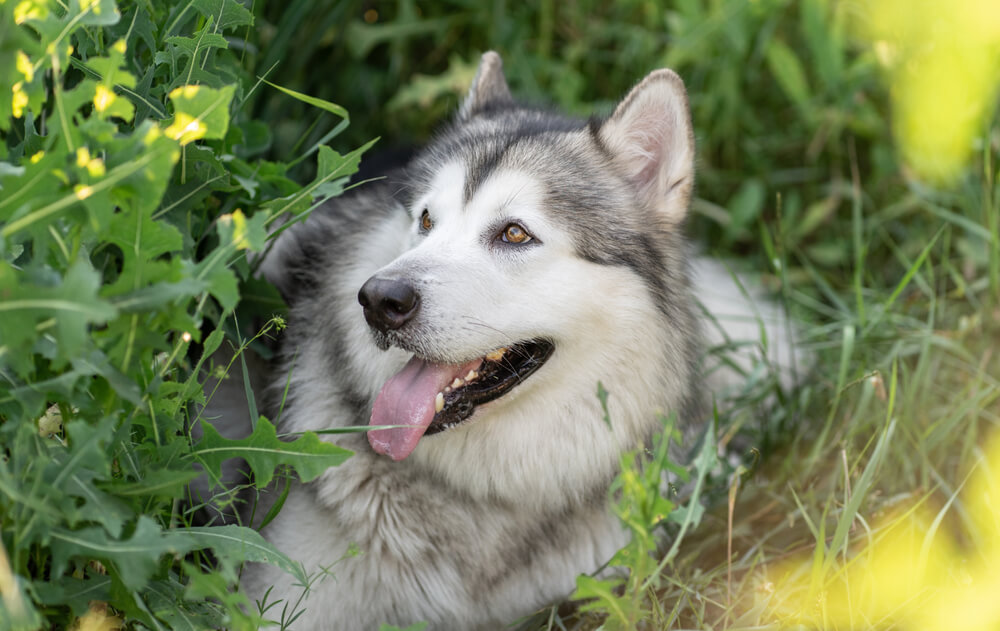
x,y
917,569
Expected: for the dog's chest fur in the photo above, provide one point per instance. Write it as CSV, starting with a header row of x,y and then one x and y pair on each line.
x,y
417,539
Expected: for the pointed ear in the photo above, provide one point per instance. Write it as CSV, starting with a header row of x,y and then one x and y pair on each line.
x,y
489,88
650,136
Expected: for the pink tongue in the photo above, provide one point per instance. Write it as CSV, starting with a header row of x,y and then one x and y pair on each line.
x,y
408,399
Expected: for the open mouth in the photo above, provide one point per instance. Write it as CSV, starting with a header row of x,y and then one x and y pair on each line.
x,y
428,398
498,373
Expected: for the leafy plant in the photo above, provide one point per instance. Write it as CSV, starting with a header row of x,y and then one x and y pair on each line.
x,y
628,593
132,185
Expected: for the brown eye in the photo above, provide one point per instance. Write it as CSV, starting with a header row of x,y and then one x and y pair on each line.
x,y
514,233
425,221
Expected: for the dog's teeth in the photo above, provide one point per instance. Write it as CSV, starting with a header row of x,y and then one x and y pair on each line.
x,y
439,402
458,383
472,375
496,355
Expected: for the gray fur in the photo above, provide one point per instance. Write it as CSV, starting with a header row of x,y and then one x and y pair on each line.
x,y
491,520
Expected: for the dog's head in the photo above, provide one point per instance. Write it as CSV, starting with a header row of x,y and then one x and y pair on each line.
x,y
542,255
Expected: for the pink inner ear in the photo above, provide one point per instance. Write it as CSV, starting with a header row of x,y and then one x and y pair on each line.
x,y
650,134
645,144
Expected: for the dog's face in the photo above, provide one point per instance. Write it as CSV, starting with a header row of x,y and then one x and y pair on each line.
x,y
538,259
542,255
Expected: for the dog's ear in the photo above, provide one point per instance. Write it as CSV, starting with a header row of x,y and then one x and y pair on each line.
x,y
489,89
650,136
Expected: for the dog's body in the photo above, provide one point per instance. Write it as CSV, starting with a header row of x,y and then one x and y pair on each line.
x,y
558,240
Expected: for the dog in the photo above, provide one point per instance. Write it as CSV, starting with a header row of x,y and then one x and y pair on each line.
x,y
472,302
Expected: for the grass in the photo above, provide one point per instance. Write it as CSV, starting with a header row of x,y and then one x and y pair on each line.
x,y
893,274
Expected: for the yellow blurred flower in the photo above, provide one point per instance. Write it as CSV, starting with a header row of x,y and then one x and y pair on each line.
x,y
239,225
185,129
97,619
95,166
23,65
943,61
103,98
915,573
19,100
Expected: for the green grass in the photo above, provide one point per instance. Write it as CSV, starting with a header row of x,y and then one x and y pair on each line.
x,y
895,282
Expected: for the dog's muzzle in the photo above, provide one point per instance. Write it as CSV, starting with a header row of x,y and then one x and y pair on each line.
x,y
388,303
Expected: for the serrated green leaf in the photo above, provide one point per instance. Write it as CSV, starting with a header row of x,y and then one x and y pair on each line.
x,y
199,112
330,165
157,295
143,242
111,70
135,558
239,544
93,12
242,233
191,45
219,279
157,483
73,304
75,592
141,28
74,470
35,184
167,602
264,452
226,13
601,596
112,73
216,586
143,164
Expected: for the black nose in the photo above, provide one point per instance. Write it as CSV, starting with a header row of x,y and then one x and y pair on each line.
x,y
388,304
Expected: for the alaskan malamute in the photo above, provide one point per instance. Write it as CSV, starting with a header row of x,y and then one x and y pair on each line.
x,y
518,260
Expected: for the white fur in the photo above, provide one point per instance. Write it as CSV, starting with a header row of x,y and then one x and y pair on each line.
x,y
599,319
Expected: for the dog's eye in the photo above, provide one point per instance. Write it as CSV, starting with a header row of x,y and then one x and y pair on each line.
x,y
514,233
425,221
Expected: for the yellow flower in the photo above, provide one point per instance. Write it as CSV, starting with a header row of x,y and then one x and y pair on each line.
x,y
942,61
97,619
20,99
912,574
94,166
239,222
185,129
24,66
103,98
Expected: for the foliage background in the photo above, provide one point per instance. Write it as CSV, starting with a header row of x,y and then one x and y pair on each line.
x,y
125,219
